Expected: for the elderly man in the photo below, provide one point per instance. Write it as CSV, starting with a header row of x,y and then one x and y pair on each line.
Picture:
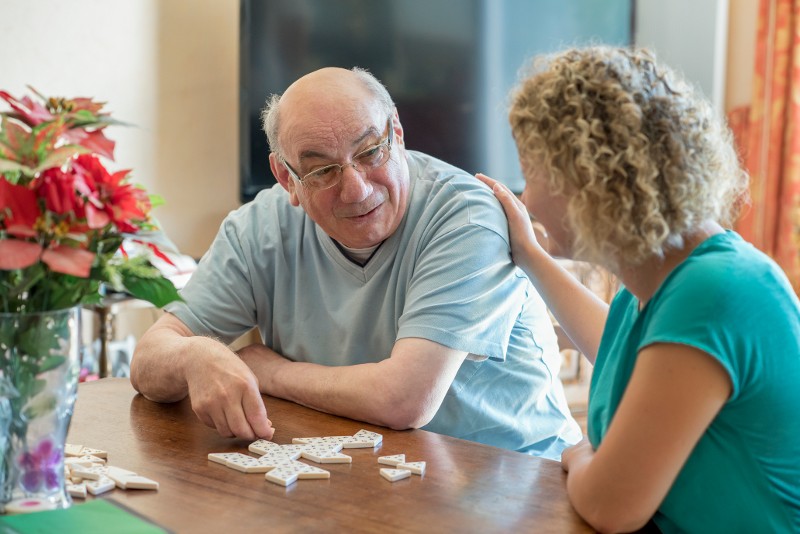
x,y
380,281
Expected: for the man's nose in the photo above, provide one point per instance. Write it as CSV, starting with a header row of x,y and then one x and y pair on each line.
x,y
355,186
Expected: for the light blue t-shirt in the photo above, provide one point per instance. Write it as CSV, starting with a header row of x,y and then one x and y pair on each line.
x,y
445,275
734,303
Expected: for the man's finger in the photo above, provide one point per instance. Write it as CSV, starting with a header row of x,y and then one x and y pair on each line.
x,y
256,414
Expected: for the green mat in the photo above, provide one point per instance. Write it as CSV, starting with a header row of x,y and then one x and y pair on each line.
x,y
93,517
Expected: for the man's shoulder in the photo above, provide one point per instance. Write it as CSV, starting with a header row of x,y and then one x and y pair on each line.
x,y
446,191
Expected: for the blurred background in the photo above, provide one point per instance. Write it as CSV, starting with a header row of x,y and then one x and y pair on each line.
x,y
172,68
192,75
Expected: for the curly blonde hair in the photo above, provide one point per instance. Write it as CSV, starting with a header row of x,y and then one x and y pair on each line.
x,y
641,157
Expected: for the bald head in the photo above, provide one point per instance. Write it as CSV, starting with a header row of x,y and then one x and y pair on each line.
x,y
326,93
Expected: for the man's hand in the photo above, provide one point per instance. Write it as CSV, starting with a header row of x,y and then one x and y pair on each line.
x,y
225,396
171,362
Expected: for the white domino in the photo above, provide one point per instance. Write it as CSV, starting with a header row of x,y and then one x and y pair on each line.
x,y
262,446
118,475
327,457
363,439
73,450
325,440
392,460
283,476
92,458
222,457
309,472
140,482
248,464
393,475
89,473
74,460
77,491
418,468
293,450
279,458
318,447
96,487
94,452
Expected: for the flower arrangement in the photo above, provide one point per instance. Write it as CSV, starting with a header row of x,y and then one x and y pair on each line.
x,y
63,221
63,216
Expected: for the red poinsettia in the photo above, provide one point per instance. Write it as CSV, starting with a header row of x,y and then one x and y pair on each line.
x,y
63,215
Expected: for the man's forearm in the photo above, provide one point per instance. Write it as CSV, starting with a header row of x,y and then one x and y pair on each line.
x,y
353,391
403,391
157,367
160,363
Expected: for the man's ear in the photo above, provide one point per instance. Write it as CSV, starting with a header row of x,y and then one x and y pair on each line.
x,y
398,129
281,173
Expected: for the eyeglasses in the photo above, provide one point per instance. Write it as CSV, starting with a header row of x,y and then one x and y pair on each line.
x,y
365,161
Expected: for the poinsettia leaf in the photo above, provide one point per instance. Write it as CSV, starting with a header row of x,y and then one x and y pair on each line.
x,y
18,206
46,135
60,156
9,166
82,118
97,142
51,363
157,291
16,137
18,254
68,260
30,111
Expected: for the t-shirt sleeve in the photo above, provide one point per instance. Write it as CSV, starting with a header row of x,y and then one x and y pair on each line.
x,y
703,308
466,293
218,299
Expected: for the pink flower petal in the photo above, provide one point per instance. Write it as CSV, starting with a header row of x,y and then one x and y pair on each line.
x,y
17,254
68,260
96,218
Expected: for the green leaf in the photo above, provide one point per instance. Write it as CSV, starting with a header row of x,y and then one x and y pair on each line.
x,y
40,406
59,156
82,117
155,200
157,291
36,387
7,165
51,363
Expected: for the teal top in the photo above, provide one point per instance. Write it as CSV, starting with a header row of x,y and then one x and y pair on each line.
x,y
445,275
734,303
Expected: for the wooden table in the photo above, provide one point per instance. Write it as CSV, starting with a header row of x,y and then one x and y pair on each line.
x,y
468,487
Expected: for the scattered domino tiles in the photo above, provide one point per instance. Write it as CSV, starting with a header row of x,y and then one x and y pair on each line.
x,y
280,464
86,471
402,469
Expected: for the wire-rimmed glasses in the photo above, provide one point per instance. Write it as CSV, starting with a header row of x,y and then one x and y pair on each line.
x,y
330,175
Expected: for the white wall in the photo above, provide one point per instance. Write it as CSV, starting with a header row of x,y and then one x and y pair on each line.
x,y
690,36
170,67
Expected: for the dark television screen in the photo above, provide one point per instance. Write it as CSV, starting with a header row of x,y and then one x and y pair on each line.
x,y
448,65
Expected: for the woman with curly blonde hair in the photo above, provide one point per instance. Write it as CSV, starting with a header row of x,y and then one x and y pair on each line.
x,y
693,423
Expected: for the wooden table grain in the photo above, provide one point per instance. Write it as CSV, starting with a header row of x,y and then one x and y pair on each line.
x,y
468,487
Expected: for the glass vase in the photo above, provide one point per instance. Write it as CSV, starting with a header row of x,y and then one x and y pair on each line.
x,y
39,368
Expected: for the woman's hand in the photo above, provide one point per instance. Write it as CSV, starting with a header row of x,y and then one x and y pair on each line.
x,y
524,246
578,454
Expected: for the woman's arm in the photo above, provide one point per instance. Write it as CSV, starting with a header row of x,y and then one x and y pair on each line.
x,y
581,313
674,394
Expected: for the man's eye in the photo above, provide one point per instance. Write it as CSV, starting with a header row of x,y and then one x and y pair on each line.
x,y
319,173
370,154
